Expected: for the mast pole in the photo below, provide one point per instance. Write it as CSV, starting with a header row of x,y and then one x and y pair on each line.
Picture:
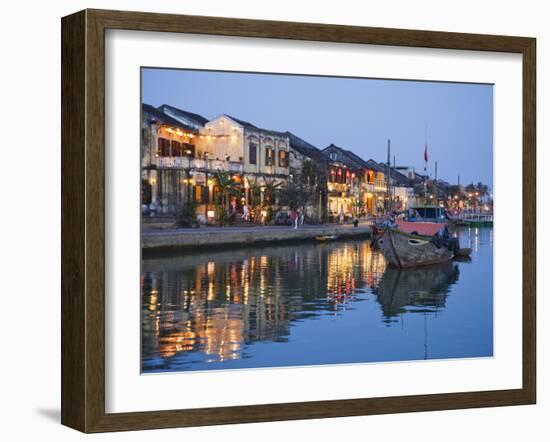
x,y
388,177
435,184
393,193
426,165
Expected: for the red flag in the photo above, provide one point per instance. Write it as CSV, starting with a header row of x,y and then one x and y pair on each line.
x,y
426,153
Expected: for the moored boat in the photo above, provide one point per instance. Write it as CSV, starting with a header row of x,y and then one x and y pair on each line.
x,y
411,244
325,237
477,219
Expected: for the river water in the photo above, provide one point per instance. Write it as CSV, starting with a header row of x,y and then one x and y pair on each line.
x,y
310,304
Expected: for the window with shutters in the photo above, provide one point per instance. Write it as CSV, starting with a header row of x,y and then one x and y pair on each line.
x,y
163,147
269,156
176,149
283,158
252,153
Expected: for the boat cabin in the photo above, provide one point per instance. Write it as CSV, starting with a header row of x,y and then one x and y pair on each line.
x,y
427,213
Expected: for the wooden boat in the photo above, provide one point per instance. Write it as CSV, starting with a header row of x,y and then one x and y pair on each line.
x,y
412,244
376,233
463,253
325,237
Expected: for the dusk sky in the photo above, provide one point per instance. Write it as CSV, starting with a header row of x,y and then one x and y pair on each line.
x,y
356,114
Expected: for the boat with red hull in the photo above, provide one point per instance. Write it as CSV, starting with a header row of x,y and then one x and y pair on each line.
x,y
411,244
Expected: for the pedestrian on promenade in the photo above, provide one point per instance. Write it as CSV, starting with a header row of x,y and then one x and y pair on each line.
x,y
245,212
301,218
341,215
293,218
263,215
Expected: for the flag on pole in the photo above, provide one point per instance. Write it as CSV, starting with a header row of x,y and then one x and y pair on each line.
x,y
425,157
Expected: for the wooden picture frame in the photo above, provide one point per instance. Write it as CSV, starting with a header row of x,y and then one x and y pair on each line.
x,y
83,219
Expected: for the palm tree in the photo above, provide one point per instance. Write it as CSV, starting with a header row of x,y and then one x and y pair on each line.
x,y
271,190
255,192
228,187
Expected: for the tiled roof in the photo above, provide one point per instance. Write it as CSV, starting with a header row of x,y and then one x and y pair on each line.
x,y
395,175
163,118
242,122
356,157
374,165
198,118
353,159
249,125
306,148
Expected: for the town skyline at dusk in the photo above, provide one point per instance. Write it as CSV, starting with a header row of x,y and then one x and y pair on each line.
x,y
455,119
271,197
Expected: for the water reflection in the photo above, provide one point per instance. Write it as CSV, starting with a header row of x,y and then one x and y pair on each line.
x,y
423,289
221,309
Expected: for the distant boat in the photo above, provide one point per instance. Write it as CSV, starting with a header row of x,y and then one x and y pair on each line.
x,y
412,244
476,219
325,237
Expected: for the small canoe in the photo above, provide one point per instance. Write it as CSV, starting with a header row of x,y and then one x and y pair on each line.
x,y
403,249
325,237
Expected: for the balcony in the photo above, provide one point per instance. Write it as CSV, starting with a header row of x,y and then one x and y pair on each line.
x,y
376,186
173,162
338,188
196,163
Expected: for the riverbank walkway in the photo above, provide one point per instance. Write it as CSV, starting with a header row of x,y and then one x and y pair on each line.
x,y
205,237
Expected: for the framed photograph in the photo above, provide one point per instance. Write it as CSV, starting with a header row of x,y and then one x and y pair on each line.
x,y
266,220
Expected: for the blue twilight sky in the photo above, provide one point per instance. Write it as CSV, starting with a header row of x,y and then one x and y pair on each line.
x,y
357,114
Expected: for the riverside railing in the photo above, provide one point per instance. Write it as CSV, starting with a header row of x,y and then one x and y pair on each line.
x,y
200,164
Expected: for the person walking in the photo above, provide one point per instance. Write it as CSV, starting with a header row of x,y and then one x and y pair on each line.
x,y
341,215
293,218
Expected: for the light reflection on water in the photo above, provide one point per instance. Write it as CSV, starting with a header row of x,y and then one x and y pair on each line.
x,y
312,304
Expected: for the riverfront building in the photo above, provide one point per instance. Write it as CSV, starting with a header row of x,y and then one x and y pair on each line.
x,y
184,153
254,156
355,186
304,156
167,145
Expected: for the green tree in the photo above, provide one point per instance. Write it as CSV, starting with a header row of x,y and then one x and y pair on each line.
x,y
255,192
146,191
453,191
313,180
293,195
271,188
228,187
186,215
309,174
